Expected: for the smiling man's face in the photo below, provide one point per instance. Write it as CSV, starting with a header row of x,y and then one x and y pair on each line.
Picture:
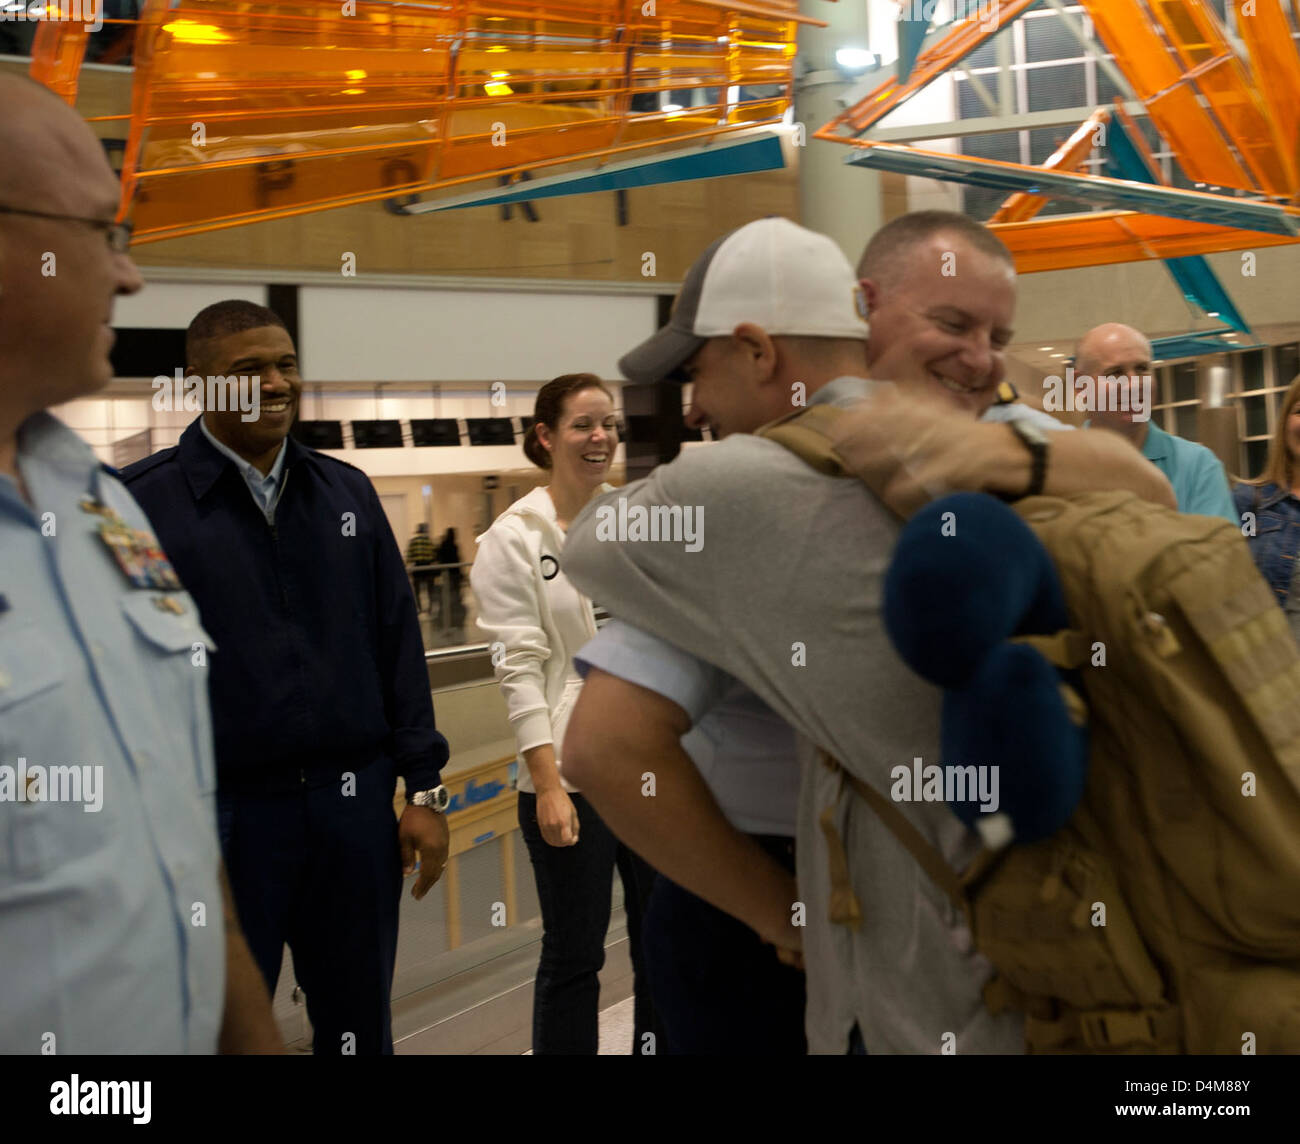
x,y
944,331
268,353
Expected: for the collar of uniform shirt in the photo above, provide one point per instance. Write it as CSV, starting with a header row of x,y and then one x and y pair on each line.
x,y
264,488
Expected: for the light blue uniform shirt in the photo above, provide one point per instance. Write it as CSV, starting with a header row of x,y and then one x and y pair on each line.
x,y
99,941
1200,485
1017,411
743,750
265,489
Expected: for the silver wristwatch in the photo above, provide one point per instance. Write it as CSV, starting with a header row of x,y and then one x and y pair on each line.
x,y
437,799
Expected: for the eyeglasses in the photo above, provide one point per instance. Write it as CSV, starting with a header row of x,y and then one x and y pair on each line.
x,y
117,233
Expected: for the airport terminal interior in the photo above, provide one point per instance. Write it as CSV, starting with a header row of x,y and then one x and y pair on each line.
x,y
448,205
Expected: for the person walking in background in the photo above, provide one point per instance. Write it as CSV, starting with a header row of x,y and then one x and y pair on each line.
x,y
419,552
449,553
1274,500
537,621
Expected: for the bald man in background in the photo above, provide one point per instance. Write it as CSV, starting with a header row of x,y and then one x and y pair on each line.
x,y
1117,351
115,920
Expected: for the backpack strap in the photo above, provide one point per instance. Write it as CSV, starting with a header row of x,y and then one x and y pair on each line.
x,y
803,432
1106,1030
1067,649
927,857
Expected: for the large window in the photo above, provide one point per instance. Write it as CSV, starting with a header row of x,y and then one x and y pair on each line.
x,y
1050,71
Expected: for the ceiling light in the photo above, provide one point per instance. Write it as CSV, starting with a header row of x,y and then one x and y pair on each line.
x,y
855,59
192,32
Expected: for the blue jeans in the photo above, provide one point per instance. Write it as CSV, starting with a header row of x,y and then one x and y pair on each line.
x,y
574,884
719,988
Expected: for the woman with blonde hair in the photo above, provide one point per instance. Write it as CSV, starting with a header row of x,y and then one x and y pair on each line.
x,y
538,620
1273,498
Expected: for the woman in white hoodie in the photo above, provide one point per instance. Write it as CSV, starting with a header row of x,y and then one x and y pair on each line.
x,y
537,620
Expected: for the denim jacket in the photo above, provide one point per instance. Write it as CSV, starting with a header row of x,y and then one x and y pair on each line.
x,y
1277,532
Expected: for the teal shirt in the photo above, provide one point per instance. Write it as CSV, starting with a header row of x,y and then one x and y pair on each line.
x,y
1197,475
111,931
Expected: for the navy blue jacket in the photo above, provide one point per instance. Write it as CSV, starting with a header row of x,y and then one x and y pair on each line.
x,y
1276,542
318,664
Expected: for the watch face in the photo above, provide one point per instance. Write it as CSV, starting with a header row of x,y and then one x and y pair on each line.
x,y
436,799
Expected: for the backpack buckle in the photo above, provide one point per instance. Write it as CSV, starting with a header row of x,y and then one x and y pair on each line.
x,y
1117,1028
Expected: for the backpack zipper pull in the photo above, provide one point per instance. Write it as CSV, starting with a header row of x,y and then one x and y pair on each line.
x,y
1051,886
1158,630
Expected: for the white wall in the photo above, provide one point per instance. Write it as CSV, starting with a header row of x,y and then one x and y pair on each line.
x,y
359,333
172,305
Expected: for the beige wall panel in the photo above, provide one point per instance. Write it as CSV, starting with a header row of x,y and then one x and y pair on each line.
x,y
575,237
1060,306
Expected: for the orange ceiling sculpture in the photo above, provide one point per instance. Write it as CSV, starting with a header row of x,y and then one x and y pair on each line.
x,y
250,111
1233,125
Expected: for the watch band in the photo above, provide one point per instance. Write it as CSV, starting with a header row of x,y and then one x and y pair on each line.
x,y
435,799
1035,440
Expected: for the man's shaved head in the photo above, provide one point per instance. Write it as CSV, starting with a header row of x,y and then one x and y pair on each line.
x,y
1111,344
1114,350
58,275
41,140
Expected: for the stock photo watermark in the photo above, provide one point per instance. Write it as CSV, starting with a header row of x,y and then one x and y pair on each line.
x,y
70,783
920,783
1108,393
671,524
220,393
87,12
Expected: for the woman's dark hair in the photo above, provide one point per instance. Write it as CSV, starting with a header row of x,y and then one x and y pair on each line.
x,y
549,409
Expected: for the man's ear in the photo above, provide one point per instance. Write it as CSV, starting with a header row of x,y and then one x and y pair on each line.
x,y
871,293
757,346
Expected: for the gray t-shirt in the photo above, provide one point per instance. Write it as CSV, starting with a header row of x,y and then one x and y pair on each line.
x,y
783,591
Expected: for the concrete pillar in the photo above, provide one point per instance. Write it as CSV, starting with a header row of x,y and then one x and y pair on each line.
x,y
834,198
1218,423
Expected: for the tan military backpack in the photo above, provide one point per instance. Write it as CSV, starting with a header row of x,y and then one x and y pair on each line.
x,y
1187,841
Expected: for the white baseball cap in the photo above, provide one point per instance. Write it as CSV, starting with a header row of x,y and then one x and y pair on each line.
x,y
779,275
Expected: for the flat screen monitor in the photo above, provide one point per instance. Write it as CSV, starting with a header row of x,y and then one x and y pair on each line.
x,y
441,431
319,434
490,430
377,434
